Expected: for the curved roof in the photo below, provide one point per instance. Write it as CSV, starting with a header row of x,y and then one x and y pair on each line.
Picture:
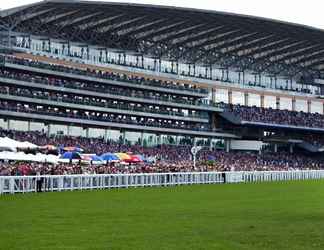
x,y
189,35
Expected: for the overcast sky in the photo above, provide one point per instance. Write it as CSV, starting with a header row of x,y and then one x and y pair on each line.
x,y
309,12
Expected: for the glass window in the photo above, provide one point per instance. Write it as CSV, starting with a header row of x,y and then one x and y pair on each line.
x,y
37,126
254,100
77,131
270,102
221,95
285,103
96,132
113,135
149,63
58,129
19,125
301,105
317,107
238,98
216,74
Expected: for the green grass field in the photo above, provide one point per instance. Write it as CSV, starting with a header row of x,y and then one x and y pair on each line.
x,y
245,216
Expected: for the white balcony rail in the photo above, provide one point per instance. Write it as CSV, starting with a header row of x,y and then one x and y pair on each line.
x,y
25,184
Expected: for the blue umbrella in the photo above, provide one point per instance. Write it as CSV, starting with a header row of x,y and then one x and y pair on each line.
x,y
96,158
211,158
141,157
109,157
71,155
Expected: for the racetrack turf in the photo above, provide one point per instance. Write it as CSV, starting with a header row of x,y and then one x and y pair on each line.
x,y
285,215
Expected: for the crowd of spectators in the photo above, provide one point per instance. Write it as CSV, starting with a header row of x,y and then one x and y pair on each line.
x,y
99,146
107,75
172,70
113,89
167,158
97,101
276,116
316,140
245,113
222,161
102,116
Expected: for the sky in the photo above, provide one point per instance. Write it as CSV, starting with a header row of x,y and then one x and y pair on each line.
x,y
309,12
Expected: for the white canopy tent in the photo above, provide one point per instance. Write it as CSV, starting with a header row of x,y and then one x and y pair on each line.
x,y
21,156
7,144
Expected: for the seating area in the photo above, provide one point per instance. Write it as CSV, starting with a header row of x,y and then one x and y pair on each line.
x,y
166,158
97,101
102,117
96,87
134,79
275,116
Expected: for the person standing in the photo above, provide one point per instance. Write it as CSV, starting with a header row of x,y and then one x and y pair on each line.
x,y
39,181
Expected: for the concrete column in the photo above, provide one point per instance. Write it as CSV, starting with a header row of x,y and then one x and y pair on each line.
x,y
48,130
262,101
211,144
309,106
230,97
68,130
211,72
160,66
158,139
227,145
276,148
293,106
246,99
291,148
214,122
87,132
106,135
278,102
8,124
142,138
28,126
213,95
88,53
194,141
124,136
177,140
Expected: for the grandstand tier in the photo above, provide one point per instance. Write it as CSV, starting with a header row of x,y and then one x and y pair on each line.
x,y
155,75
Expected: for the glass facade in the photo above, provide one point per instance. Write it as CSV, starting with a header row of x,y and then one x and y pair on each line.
x,y
101,55
19,125
38,126
238,98
254,100
58,129
96,132
285,103
77,131
301,105
221,95
3,124
317,107
270,101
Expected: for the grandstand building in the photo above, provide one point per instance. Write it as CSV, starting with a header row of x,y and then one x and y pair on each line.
x,y
158,74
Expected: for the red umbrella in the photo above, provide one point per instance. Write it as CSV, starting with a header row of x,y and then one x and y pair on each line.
x,y
48,147
133,159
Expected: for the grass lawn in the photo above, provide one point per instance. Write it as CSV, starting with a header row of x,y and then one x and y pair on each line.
x,y
286,215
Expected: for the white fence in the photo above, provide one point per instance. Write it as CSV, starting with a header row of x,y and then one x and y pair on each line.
x,y
24,184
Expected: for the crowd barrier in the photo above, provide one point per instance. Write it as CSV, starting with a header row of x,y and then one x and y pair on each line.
x,y
25,184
